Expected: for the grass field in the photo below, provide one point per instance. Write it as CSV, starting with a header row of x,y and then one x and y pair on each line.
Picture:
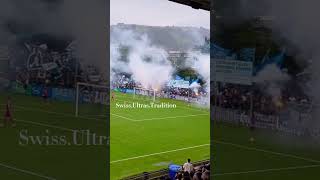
x,y
39,157
146,139
272,155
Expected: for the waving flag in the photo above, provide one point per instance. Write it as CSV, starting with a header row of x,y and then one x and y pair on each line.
x,y
277,59
219,52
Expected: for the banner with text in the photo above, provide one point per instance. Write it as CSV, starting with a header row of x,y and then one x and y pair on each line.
x,y
179,84
232,71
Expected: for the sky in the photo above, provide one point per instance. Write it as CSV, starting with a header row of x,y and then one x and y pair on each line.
x,y
157,13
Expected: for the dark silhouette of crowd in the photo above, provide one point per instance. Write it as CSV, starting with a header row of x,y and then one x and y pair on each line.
x,y
241,98
123,82
174,91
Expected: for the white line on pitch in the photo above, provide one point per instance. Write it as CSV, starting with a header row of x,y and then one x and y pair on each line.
x,y
16,110
159,153
27,172
123,117
267,170
173,117
45,125
267,151
183,106
61,114
150,119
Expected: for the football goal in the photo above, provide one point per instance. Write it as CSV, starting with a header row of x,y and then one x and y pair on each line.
x,y
91,100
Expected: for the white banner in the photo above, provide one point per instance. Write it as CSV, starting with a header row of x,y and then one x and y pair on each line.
x,y
49,66
281,123
179,84
232,71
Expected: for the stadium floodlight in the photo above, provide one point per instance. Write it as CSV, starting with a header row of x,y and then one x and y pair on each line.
x,y
138,92
93,98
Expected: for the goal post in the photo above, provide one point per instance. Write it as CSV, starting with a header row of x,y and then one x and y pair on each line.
x,y
142,92
91,99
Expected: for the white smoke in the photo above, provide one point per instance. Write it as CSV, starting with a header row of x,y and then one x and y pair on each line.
x,y
272,80
84,21
148,64
201,64
195,87
271,73
295,22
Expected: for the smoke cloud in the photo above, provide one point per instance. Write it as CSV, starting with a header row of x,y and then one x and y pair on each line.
x,y
148,64
297,24
275,80
83,21
201,64
295,21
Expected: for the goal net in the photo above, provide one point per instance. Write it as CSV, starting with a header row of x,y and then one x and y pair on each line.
x,y
144,94
92,100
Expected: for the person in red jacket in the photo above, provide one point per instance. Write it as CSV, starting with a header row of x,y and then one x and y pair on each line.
x,y
8,116
45,94
113,96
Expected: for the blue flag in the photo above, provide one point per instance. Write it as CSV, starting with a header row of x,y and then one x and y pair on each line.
x,y
178,77
277,60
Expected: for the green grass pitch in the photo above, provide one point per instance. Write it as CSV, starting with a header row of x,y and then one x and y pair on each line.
x,y
144,140
35,161
272,155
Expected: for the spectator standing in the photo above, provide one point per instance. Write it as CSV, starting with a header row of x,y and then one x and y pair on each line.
x,y
188,167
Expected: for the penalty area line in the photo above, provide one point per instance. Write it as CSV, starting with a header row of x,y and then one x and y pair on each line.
x,y
267,170
27,172
60,114
122,117
45,125
152,119
159,153
48,125
173,117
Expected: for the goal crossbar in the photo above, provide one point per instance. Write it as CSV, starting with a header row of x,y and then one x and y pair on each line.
x,y
78,93
142,89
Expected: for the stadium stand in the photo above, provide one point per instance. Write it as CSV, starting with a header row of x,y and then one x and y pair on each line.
x,y
201,172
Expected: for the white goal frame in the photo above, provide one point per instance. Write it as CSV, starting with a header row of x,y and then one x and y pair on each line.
x,y
78,93
151,90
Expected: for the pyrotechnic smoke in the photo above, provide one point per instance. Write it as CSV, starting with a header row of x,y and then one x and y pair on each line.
x,y
195,87
297,24
148,64
84,21
271,73
274,78
201,64
295,21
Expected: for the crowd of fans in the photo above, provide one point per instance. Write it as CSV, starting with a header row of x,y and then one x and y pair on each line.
x,y
189,172
241,98
123,82
174,91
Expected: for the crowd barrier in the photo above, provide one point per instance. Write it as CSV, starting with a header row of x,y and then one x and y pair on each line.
x,y
177,97
61,94
160,174
289,121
